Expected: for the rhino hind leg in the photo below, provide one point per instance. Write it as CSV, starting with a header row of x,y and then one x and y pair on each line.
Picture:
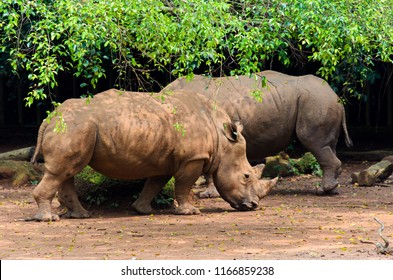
x,y
64,158
151,188
331,167
68,198
43,194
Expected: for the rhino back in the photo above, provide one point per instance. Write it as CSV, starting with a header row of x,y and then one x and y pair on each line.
x,y
264,122
137,135
287,103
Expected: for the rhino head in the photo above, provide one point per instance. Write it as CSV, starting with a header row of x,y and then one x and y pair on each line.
x,y
236,180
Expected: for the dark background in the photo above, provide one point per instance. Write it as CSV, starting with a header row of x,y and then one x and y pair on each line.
x,y
369,119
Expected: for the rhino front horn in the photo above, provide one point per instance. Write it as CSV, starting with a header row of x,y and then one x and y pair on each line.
x,y
266,186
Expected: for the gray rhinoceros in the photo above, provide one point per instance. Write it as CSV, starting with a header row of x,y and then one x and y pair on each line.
x,y
305,107
128,135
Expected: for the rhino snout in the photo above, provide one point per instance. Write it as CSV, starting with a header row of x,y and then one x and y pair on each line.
x,y
245,206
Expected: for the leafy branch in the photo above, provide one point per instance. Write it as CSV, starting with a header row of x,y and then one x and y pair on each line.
x,y
178,38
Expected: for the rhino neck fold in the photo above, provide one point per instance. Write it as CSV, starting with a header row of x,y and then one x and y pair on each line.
x,y
215,157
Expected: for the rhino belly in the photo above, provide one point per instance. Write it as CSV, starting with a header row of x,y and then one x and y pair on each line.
x,y
137,155
128,170
267,141
257,151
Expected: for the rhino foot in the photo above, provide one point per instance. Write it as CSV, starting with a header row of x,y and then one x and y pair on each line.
x,y
46,217
209,193
321,191
77,215
187,210
144,209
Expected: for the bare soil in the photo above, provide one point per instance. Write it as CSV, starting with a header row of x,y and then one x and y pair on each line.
x,y
291,223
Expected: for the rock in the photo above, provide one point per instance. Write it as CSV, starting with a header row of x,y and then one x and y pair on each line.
x,y
20,172
277,165
282,165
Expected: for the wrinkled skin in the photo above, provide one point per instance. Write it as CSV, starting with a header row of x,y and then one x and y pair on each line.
x,y
305,107
129,135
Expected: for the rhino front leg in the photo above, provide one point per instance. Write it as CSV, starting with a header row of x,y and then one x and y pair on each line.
x,y
43,194
151,188
69,198
185,177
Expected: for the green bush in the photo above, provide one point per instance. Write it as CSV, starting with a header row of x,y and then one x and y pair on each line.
x,y
306,164
165,198
97,189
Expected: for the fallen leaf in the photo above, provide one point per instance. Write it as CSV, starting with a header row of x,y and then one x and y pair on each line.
x,y
339,231
353,241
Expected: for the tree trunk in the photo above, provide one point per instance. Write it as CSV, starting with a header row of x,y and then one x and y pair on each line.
x,y
20,103
21,154
375,173
389,102
2,98
366,91
74,87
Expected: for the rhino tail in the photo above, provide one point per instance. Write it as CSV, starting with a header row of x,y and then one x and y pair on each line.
x,y
39,142
348,140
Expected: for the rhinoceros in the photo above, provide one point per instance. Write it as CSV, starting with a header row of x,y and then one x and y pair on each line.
x,y
128,135
288,106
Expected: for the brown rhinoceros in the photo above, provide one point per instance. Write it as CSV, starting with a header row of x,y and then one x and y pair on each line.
x,y
128,135
290,106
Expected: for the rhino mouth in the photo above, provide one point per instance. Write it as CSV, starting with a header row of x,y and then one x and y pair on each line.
x,y
245,206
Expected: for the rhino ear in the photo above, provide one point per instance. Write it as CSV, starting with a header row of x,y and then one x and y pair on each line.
x,y
232,130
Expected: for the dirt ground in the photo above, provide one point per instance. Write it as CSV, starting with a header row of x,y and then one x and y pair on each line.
x,y
291,223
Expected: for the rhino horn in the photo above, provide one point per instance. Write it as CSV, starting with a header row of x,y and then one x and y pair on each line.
x,y
258,170
265,186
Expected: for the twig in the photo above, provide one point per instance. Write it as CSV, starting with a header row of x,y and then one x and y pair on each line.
x,y
384,185
27,219
367,242
382,248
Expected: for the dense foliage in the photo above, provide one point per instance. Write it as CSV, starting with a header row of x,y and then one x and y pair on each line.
x,y
86,38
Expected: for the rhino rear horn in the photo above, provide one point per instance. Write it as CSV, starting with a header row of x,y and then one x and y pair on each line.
x,y
273,182
258,170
